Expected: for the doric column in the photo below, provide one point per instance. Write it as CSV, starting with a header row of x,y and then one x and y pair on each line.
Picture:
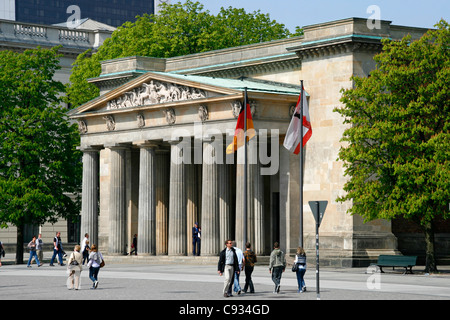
x,y
239,219
258,210
255,202
117,204
225,201
146,243
210,202
162,201
177,201
89,198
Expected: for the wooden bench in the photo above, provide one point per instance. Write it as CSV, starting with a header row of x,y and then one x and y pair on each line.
x,y
393,261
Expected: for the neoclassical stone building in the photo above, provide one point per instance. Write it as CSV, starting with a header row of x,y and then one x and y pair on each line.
x,y
153,147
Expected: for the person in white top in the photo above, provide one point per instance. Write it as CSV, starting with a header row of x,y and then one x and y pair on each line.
x,y
84,243
241,261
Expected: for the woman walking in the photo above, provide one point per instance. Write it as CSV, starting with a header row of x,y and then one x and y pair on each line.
x,y
95,261
300,259
74,268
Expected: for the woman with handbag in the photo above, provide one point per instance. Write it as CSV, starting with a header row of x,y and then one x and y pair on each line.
x,y
74,268
300,268
95,263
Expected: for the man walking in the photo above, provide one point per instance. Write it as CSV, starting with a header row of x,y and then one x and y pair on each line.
x,y
241,262
277,265
57,249
228,263
40,248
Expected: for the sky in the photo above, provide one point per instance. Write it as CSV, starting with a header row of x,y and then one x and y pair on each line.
x,y
292,13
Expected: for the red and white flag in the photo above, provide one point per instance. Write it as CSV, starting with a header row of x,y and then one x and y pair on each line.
x,y
293,137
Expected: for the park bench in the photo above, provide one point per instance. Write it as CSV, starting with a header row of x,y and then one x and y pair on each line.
x,y
393,261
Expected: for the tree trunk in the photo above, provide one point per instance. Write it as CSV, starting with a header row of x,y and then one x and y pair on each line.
x,y
19,244
430,262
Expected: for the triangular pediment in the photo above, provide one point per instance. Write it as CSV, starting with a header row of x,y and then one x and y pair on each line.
x,y
155,89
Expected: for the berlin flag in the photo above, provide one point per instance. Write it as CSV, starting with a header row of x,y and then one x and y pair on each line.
x,y
293,138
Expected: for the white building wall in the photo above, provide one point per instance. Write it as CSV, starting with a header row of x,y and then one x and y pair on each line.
x,y
8,10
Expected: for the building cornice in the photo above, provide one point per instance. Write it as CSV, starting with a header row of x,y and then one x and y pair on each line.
x,y
338,45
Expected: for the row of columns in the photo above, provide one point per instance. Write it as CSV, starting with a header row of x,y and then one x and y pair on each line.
x,y
162,232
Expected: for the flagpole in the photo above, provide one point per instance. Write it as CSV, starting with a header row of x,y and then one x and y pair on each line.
x,y
245,171
301,167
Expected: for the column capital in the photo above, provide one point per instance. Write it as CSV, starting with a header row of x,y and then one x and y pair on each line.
x,y
88,148
146,144
117,146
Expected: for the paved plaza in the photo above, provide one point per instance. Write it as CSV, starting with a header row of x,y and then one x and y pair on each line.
x,y
122,281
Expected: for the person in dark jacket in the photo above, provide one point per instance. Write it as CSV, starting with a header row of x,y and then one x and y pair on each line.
x,y
250,259
228,263
196,240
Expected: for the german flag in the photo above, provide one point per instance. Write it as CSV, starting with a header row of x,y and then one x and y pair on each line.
x,y
239,132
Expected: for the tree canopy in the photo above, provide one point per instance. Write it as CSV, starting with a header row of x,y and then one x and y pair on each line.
x,y
39,163
397,152
178,29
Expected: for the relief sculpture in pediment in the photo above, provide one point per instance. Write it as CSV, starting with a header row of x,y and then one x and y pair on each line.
x,y
153,93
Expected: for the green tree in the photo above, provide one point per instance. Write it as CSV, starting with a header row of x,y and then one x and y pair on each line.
x,y
397,151
178,29
39,163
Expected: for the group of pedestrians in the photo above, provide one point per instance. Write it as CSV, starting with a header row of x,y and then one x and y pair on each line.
x,y
36,248
232,261
81,255
77,259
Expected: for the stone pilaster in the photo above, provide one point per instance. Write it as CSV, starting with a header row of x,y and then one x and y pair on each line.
x,y
117,204
89,198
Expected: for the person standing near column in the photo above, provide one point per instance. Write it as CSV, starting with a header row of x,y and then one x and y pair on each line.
x,y
277,265
134,245
228,263
196,240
